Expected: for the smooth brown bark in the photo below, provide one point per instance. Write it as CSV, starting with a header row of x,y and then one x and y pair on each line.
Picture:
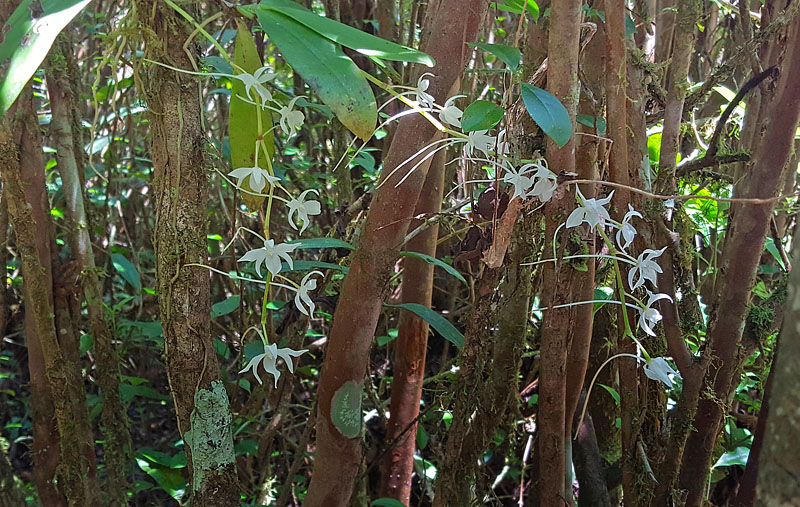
x,y
744,243
181,198
563,281
412,343
62,102
347,355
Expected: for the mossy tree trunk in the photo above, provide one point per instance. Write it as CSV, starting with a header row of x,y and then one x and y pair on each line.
x,y
178,150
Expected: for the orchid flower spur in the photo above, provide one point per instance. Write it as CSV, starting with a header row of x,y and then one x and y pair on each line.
x,y
303,209
626,230
269,360
302,300
290,119
257,81
592,212
258,177
660,370
270,255
450,113
648,316
646,268
502,146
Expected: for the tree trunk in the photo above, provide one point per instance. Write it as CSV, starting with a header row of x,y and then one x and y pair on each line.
x,y
347,355
181,189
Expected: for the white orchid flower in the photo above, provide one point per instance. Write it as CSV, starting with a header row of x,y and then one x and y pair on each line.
x,y
303,209
451,114
660,370
269,359
423,98
479,140
592,212
502,146
270,255
649,317
301,299
626,230
519,180
545,182
290,119
258,177
646,268
257,81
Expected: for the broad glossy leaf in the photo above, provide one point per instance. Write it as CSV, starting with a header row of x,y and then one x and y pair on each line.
x,y
128,271
27,43
436,262
243,124
326,69
481,115
511,56
548,112
737,456
225,306
348,36
436,321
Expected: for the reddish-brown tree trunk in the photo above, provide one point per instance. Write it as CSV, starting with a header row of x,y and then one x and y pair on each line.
x,y
562,282
347,355
412,343
744,243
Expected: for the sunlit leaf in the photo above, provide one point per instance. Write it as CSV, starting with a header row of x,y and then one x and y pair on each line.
x,y
127,270
481,115
510,55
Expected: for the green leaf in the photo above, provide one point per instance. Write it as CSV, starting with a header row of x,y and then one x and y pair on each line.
x,y
436,262
225,307
243,117
346,409
598,123
301,265
321,243
347,36
548,112
436,321
613,392
481,115
515,6
127,271
510,55
737,456
169,479
422,437
326,69
630,26
387,502
654,147
28,41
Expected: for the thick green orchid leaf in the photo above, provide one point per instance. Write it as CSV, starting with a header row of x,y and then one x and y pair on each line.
x,y
510,55
436,262
326,69
481,115
348,36
28,41
436,321
548,112
243,128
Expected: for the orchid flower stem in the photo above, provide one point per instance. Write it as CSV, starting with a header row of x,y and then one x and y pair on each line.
x,y
223,273
581,256
238,230
591,385
200,29
380,84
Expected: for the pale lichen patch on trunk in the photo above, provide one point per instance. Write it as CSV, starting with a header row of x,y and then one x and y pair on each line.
x,y
210,437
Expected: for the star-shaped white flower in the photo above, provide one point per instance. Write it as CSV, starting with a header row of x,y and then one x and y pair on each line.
x,y
423,98
545,182
270,255
451,114
258,177
269,359
660,370
646,268
519,179
302,300
290,119
626,230
592,212
479,140
648,316
257,81
303,209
